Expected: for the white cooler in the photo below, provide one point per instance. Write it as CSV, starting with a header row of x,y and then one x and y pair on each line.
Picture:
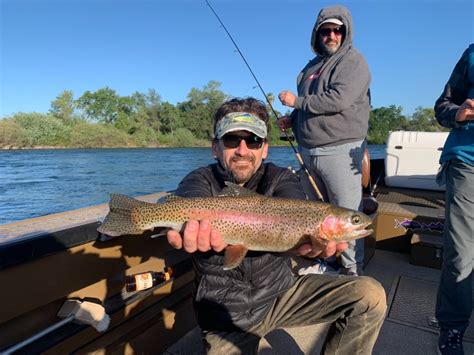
x,y
412,159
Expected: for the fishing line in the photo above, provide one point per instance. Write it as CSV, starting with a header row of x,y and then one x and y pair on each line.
x,y
298,155
372,188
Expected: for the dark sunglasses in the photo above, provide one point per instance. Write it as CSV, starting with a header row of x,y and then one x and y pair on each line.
x,y
338,31
232,141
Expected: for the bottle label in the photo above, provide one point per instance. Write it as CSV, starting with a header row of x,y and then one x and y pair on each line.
x,y
144,281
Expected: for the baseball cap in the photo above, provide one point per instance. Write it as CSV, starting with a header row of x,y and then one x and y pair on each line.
x,y
332,20
240,121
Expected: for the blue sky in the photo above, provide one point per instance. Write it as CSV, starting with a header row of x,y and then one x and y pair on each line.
x,y
48,46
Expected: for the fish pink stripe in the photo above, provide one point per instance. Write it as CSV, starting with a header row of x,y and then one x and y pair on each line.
x,y
241,217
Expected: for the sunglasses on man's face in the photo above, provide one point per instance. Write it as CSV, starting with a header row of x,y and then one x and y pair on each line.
x,y
231,141
338,31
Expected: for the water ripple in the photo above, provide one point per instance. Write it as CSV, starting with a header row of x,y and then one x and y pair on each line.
x,y
34,183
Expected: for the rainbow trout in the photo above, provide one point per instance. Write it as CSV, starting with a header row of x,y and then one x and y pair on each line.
x,y
246,220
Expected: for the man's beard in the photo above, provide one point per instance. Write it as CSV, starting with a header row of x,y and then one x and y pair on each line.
x,y
328,51
241,176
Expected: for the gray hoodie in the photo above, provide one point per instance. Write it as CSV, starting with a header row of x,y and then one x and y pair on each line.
x,y
333,102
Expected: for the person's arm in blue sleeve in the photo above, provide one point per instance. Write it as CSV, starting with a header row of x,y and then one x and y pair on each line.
x,y
454,95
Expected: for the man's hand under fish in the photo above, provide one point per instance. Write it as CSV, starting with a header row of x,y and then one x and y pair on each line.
x,y
199,236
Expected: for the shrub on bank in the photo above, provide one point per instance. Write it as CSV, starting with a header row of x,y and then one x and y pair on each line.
x,y
182,137
12,135
145,137
43,130
88,135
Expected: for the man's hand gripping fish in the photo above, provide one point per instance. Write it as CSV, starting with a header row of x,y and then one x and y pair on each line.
x,y
245,220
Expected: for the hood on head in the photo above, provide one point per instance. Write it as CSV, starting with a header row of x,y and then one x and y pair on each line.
x,y
340,13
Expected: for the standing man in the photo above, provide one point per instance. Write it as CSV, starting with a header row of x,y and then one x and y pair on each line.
x,y
235,308
455,109
330,120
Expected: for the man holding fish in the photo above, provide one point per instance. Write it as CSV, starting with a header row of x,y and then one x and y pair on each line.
x,y
249,290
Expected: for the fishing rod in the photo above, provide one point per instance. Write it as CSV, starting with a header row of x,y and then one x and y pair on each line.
x,y
298,155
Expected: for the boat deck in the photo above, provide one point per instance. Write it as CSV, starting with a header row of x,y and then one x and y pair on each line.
x,y
411,294
411,202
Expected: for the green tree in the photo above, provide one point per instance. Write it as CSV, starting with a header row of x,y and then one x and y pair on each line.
x,y
123,122
148,105
170,118
104,105
383,120
139,117
153,107
274,133
423,120
198,110
271,99
63,107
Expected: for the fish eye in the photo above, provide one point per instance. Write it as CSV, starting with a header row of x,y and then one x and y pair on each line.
x,y
356,219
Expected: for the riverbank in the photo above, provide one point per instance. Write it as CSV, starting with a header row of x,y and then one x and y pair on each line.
x,y
48,147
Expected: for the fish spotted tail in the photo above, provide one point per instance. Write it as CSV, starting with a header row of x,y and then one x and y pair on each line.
x,y
120,221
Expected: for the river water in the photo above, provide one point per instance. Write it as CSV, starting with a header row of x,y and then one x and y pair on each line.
x,y
34,183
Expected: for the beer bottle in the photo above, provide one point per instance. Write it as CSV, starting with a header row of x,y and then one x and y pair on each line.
x,y
146,280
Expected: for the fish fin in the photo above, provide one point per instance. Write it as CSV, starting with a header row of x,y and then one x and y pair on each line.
x,y
159,232
164,227
232,189
105,238
119,219
234,254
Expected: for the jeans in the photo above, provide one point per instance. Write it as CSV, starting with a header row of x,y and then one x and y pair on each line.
x,y
454,299
355,307
339,179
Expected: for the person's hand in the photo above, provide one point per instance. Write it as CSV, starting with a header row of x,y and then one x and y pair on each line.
x,y
465,111
197,236
331,248
287,98
284,122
